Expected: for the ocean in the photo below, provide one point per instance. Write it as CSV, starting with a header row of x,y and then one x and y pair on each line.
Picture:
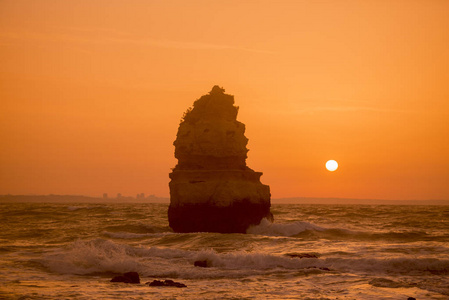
x,y
71,251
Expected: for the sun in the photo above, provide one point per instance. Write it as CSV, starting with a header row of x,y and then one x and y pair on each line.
x,y
331,165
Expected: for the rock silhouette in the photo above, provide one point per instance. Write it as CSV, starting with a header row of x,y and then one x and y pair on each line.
x,y
202,263
211,187
130,277
166,283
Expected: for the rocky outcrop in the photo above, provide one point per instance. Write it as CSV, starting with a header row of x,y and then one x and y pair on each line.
x,y
166,283
130,277
202,263
211,187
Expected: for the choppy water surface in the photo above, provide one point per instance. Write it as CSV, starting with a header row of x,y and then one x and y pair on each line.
x,y
55,251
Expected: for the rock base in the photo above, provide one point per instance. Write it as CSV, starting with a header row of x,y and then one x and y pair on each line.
x,y
209,218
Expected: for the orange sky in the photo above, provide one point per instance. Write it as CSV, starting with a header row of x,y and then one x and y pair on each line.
x,y
91,93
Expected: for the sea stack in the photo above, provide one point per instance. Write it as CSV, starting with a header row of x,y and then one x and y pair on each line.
x,y
211,188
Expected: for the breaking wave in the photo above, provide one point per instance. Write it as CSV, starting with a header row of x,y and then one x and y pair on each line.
x,y
104,256
311,231
289,229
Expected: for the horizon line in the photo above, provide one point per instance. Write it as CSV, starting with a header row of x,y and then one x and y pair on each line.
x,y
280,200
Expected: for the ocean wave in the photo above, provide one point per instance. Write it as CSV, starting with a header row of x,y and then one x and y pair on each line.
x,y
92,256
105,256
91,207
254,260
244,260
132,235
139,227
310,231
100,256
352,235
73,208
437,287
410,266
278,229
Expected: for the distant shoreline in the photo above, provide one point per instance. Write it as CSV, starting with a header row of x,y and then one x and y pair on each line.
x,y
71,199
78,199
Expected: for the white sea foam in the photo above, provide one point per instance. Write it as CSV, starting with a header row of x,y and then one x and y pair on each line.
x,y
254,260
103,256
287,229
262,261
98,255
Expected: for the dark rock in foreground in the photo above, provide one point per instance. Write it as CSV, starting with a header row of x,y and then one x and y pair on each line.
x,y
166,283
130,277
211,188
202,263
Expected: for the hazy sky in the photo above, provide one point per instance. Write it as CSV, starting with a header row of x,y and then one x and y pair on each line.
x,y
91,93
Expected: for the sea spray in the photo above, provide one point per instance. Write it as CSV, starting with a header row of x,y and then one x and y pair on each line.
x,y
267,227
